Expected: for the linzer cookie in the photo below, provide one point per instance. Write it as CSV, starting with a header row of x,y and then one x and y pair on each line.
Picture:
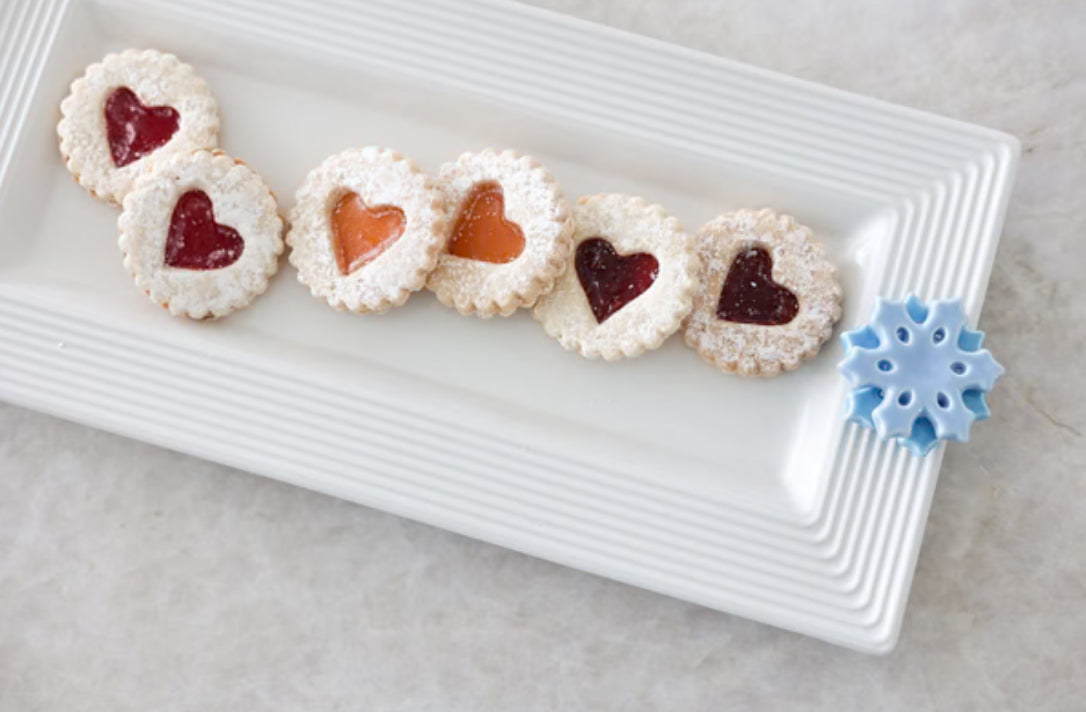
x,y
201,234
510,233
632,283
366,230
129,109
768,296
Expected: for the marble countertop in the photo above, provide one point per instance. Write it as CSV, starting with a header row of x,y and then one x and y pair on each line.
x,y
136,578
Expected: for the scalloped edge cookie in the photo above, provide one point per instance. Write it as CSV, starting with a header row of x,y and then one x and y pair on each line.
x,y
241,199
799,263
533,200
378,176
157,78
631,225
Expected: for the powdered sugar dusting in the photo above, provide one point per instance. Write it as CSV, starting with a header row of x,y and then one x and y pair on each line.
x,y
533,200
379,177
631,225
799,263
240,199
157,79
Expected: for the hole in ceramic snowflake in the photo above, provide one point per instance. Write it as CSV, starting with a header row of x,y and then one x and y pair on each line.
x,y
903,335
905,398
885,365
938,335
942,401
958,367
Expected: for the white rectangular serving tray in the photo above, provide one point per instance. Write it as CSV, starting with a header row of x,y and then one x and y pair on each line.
x,y
748,496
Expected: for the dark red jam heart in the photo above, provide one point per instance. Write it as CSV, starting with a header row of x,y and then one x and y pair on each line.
x,y
750,296
195,240
610,280
134,130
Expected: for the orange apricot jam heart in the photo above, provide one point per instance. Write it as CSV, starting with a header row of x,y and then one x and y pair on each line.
x,y
482,232
361,233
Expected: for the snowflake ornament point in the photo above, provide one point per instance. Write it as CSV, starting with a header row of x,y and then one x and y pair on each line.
x,y
918,373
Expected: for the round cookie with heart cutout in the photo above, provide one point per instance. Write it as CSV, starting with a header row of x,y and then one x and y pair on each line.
x,y
201,234
509,237
768,297
132,107
366,230
632,283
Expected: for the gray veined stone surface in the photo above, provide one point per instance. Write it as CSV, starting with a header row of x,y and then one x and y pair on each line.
x,y
133,578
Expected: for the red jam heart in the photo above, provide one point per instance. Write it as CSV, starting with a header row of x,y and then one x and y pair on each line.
x,y
610,280
195,240
750,296
482,232
134,130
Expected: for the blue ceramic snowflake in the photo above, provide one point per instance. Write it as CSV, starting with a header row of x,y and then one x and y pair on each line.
x,y
918,373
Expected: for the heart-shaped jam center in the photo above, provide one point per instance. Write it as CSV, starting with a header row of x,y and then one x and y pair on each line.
x,y
750,296
481,231
610,280
134,130
361,233
195,240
